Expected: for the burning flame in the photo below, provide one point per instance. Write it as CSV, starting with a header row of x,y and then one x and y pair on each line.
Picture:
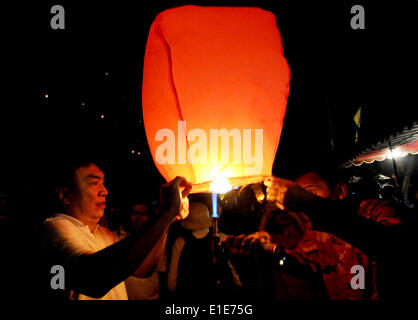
x,y
220,184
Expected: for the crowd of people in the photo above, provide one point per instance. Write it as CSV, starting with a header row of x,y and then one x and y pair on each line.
x,y
310,237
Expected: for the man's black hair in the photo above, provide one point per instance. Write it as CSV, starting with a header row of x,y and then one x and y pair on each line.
x,y
65,171
64,175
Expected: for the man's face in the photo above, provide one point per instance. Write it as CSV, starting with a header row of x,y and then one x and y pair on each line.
x,y
139,216
313,183
89,195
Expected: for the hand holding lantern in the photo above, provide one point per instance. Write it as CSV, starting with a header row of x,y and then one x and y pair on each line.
x,y
174,197
285,194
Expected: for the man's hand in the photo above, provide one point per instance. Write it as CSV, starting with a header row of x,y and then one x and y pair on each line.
x,y
184,210
246,244
287,195
174,197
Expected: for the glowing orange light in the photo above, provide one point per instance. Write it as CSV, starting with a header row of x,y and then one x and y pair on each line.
x,y
215,68
220,184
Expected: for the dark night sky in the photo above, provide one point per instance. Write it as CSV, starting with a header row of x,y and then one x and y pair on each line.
x,y
94,67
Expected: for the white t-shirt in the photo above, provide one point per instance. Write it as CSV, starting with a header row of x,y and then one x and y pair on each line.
x,y
142,288
70,237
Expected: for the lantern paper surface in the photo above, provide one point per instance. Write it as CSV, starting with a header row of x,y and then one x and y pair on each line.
x,y
215,87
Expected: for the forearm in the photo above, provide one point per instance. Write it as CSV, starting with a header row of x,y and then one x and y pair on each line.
x,y
96,274
150,263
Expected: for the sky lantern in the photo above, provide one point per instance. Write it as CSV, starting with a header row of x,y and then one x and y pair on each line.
x,y
214,93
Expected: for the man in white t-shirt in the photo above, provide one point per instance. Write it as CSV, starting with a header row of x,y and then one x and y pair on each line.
x,y
95,262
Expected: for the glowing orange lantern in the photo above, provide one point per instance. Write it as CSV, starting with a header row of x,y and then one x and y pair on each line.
x,y
215,87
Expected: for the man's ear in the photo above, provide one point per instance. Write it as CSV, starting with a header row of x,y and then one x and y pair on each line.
x,y
63,197
341,191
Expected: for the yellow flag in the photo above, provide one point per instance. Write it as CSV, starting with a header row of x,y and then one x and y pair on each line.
x,y
357,120
357,117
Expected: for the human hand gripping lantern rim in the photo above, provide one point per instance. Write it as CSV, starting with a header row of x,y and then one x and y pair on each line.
x,y
211,74
286,194
173,197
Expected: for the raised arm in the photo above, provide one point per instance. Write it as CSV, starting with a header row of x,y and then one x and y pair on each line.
x,y
95,274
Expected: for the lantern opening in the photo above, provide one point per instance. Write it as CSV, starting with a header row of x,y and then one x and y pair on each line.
x,y
220,184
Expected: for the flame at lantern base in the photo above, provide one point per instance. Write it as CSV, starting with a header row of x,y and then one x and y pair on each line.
x,y
220,184
234,182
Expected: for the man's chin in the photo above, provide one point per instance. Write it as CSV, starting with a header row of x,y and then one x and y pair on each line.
x,y
99,214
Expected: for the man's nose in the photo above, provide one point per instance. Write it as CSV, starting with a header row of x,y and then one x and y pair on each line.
x,y
103,191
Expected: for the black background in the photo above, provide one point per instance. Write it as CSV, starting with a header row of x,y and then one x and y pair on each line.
x,y
94,68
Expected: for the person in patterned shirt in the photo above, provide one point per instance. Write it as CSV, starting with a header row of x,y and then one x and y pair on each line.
x,y
325,253
371,225
334,256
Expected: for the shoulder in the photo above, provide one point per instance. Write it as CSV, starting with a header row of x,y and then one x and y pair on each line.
x,y
58,224
65,235
105,232
56,219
